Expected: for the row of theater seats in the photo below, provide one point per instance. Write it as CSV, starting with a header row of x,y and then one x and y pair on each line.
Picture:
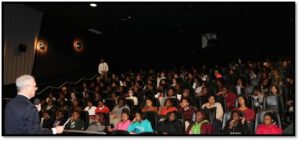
x,y
154,118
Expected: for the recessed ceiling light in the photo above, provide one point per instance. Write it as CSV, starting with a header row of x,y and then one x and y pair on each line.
x,y
93,4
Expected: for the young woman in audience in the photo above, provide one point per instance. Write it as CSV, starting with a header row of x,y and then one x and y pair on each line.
x,y
101,108
134,98
249,113
171,125
90,109
201,125
237,125
213,104
168,107
239,88
268,127
274,90
170,94
96,124
186,109
123,124
139,124
219,112
75,123
149,106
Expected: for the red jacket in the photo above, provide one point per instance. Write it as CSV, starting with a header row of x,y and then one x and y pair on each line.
x,y
268,129
248,113
230,100
103,110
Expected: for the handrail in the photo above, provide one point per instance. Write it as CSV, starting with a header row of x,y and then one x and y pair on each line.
x,y
66,82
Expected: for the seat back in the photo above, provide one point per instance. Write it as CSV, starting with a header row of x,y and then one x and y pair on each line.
x,y
175,102
226,117
130,104
221,100
84,115
274,103
201,100
110,103
153,119
259,119
210,114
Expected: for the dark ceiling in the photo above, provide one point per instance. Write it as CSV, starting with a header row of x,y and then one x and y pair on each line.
x,y
111,17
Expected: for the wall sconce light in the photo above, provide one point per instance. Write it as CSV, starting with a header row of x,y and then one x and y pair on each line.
x,y
42,46
78,45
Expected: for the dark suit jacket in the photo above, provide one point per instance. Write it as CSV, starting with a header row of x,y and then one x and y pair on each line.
x,y
22,117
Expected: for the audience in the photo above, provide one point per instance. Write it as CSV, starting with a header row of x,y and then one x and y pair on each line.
x,y
244,80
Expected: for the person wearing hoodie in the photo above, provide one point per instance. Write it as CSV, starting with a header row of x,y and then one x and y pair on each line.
x,y
201,125
237,125
171,125
139,124
268,127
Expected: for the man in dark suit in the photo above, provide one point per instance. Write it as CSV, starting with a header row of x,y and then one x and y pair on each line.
x,y
21,116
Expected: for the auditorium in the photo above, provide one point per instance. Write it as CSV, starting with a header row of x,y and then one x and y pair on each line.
x,y
148,69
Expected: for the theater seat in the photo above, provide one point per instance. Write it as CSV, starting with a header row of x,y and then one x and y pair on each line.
x,y
84,115
175,102
202,100
274,103
130,104
226,117
260,118
153,118
222,100
110,103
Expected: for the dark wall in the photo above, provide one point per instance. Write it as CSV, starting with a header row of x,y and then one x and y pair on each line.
x,y
61,58
268,34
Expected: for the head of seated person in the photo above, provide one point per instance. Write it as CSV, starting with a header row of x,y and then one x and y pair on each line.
x,y
149,106
75,123
269,125
168,107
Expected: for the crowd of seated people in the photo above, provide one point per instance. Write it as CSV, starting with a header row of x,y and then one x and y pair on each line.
x,y
179,101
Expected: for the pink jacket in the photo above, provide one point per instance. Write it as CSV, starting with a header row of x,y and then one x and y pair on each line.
x,y
122,125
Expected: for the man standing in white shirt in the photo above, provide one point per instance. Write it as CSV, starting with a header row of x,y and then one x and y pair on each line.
x,y
103,68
